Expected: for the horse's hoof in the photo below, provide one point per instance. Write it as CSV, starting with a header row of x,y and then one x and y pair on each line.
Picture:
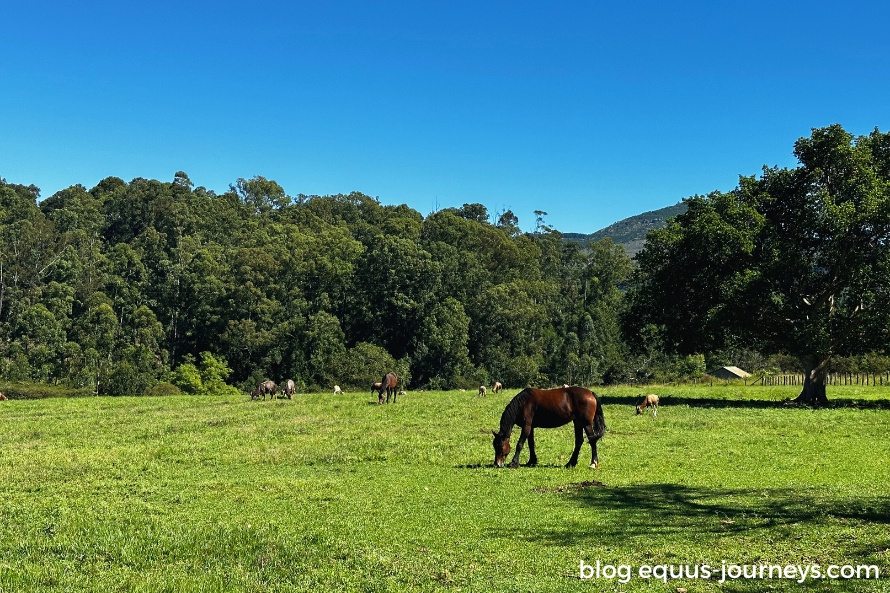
x,y
593,465
513,466
569,465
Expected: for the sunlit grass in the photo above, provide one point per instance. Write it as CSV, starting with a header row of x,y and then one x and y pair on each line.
x,y
328,493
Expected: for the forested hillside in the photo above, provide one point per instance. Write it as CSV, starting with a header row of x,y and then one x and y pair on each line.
x,y
127,287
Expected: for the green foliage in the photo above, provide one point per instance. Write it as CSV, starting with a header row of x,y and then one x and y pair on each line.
x,y
214,372
206,378
28,390
365,364
116,288
187,377
796,261
163,388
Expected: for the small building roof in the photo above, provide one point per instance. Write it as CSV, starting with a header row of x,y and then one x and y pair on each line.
x,y
729,373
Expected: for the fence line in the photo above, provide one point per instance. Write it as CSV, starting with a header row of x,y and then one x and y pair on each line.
x,y
832,379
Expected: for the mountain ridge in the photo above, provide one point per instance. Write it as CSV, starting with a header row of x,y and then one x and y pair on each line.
x,y
631,232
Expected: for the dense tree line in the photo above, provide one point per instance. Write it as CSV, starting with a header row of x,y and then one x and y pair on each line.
x,y
142,286
128,286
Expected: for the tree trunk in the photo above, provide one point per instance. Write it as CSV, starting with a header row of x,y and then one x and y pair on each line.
x,y
815,375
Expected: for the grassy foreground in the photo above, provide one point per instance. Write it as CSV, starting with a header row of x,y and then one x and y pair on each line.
x,y
334,493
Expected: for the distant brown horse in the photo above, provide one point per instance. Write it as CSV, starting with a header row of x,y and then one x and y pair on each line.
x,y
497,387
266,387
549,408
3,398
650,401
388,383
375,386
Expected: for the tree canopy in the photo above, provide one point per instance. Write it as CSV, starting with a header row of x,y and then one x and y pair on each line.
x,y
129,285
795,261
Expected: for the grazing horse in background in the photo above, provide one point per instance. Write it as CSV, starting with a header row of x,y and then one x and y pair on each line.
x,y
497,387
650,401
337,390
262,389
388,383
375,386
549,408
288,389
3,398
482,391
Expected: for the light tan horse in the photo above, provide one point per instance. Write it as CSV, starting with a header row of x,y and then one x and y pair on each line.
x,y
482,391
497,387
650,401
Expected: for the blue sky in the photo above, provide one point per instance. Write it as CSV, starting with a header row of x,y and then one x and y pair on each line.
x,y
590,111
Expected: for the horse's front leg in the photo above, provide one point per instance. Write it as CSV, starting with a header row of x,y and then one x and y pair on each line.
x,y
579,440
523,435
533,458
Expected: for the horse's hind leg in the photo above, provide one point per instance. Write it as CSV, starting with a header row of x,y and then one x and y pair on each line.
x,y
579,440
594,459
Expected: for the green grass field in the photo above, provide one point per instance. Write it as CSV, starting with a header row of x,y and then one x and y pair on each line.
x,y
334,493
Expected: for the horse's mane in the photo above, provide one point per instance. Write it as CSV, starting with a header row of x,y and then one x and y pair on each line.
x,y
508,418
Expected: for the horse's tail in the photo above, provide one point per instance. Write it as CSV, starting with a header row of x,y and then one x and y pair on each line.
x,y
599,421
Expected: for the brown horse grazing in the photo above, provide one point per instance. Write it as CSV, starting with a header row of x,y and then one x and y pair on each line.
x,y
262,389
497,387
375,386
651,401
549,408
388,383
3,398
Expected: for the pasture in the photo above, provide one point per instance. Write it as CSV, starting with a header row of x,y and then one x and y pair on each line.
x,y
336,493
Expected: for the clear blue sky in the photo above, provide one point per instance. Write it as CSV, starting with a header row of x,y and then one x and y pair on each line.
x,y
591,111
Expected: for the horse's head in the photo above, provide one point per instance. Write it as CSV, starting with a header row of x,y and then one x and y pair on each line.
x,y
501,446
640,409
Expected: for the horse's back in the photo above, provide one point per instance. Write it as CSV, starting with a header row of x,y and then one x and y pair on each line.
x,y
556,407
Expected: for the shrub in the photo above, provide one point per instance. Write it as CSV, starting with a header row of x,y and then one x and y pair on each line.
x,y
24,390
163,389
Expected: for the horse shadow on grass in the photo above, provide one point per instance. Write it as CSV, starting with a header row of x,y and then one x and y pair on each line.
x,y
639,512
493,467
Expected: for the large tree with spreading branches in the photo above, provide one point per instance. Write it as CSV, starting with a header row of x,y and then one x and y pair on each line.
x,y
796,261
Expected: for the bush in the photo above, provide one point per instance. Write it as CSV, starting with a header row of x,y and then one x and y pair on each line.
x,y
163,389
23,390
187,377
